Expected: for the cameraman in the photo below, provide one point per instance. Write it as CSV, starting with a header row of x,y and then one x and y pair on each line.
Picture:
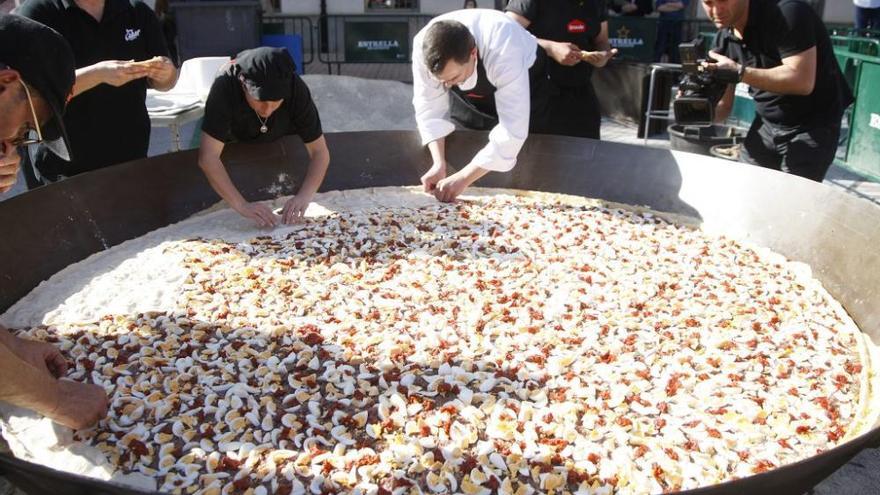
x,y
783,52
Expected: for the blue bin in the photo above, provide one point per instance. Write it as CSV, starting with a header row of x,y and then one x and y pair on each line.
x,y
293,43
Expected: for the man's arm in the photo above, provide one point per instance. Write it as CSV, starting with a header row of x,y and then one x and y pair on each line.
x,y
25,386
796,75
603,52
431,104
437,172
26,380
162,74
319,160
563,53
670,7
212,166
725,104
112,72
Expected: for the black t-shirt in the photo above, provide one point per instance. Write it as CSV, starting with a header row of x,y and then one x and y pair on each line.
x,y
568,21
106,124
778,30
229,118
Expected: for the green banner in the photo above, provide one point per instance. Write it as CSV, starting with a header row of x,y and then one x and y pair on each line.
x,y
634,37
383,42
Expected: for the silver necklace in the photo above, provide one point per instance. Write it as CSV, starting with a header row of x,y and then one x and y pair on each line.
x,y
263,128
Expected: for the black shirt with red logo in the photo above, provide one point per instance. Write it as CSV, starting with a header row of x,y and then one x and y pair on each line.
x,y
568,21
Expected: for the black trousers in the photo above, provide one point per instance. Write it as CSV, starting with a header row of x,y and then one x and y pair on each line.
x,y
805,151
565,111
668,39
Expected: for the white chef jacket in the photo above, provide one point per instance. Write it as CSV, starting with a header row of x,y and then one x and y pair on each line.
x,y
507,51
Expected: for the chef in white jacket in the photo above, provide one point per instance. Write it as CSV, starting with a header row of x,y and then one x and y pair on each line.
x,y
484,57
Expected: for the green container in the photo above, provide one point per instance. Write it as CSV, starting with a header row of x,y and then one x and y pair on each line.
x,y
743,111
863,150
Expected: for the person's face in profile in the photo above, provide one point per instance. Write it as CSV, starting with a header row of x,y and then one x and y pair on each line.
x,y
455,73
725,13
264,108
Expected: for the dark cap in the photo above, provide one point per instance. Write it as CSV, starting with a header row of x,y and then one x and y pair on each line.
x,y
45,62
267,73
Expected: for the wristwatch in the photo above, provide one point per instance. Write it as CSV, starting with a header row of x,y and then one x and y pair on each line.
x,y
741,72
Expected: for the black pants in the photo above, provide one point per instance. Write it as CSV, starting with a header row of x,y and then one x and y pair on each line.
x,y
806,151
668,39
565,111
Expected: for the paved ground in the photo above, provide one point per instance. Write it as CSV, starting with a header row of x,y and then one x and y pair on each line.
x,y
391,72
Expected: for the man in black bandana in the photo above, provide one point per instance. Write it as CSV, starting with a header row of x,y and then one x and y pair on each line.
x,y
258,98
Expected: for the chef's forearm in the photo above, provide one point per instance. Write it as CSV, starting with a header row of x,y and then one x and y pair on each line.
x,y
438,150
220,181
319,162
23,385
473,173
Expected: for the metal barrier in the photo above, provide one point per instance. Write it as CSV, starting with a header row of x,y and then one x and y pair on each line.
x,y
857,44
369,38
859,60
346,39
849,31
296,25
386,38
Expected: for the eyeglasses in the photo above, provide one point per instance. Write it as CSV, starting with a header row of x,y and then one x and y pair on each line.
x,y
26,139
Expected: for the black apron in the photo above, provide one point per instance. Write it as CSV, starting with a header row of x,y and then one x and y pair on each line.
x,y
563,99
475,108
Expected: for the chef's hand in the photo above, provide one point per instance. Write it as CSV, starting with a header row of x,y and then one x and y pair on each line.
x,y
9,161
79,405
564,53
161,70
433,176
43,356
720,62
120,72
259,213
600,58
295,209
449,188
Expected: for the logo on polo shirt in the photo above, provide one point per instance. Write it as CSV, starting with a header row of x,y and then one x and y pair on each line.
x,y
577,26
132,34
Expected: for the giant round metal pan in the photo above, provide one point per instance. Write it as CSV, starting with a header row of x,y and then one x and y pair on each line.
x,y
836,234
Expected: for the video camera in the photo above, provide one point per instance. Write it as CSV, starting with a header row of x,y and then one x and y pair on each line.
x,y
700,90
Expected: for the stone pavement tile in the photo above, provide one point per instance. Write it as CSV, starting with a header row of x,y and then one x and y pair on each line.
x,y
861,476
